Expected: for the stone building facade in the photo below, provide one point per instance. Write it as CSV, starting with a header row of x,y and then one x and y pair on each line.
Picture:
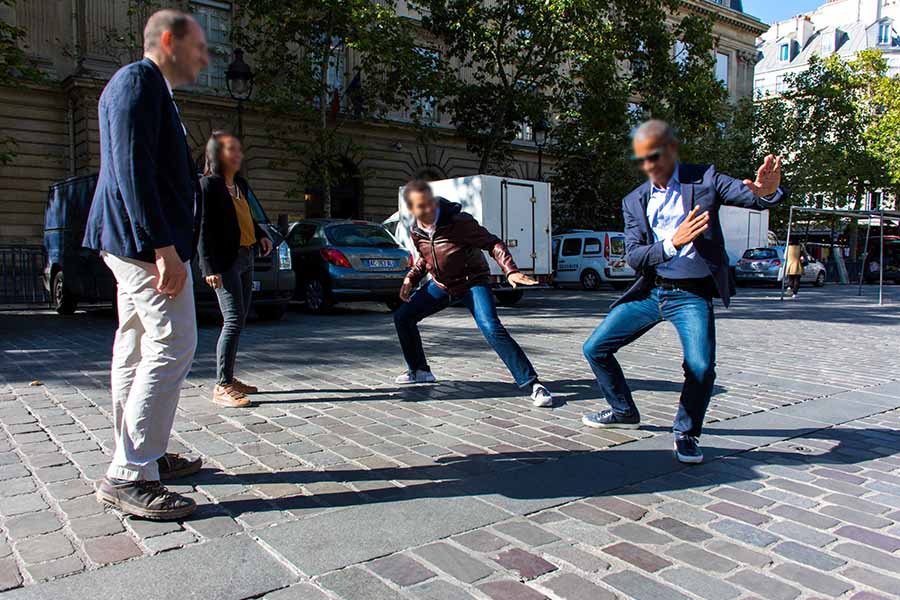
x,y
55,131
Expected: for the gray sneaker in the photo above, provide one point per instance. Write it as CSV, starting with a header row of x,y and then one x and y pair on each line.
x,y
541,396
413,377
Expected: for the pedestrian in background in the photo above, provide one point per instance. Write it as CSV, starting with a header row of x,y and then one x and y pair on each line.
x,y
228,238
793,268
143,221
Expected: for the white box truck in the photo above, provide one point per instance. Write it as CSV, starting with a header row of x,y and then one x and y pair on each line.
x,y
743,229
515,210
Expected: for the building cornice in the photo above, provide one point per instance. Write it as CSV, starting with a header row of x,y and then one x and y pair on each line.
x,y
727,15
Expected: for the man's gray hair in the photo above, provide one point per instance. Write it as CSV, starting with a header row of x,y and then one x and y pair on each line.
x,y
168,19
655,129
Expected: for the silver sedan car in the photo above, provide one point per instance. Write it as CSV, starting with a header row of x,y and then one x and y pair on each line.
x,y
767,265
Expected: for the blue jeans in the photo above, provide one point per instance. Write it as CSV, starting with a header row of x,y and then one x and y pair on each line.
x,y
234,302
479,299
693,318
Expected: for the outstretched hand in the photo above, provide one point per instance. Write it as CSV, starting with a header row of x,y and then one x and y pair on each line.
x,y
516,279
768,177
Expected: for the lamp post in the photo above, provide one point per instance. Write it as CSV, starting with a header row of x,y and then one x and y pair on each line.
x,y
539,134
239,79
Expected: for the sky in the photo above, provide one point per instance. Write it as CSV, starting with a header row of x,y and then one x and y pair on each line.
x,y
770,11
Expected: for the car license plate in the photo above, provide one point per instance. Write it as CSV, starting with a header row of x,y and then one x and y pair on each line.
x,y
257,285
377,263
618,269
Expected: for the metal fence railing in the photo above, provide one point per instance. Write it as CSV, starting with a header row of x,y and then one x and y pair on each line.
x,y
21,275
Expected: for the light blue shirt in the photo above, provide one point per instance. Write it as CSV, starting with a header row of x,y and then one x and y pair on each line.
x,y
665,213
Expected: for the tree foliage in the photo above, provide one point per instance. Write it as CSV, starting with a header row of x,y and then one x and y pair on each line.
x,y
299,50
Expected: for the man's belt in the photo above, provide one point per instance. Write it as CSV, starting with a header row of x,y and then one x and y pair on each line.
x,y
702,286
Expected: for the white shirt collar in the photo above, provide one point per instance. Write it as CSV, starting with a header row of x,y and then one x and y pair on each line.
x,y
673,181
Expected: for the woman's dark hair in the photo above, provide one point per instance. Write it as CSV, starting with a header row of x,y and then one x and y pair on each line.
x,y
214,152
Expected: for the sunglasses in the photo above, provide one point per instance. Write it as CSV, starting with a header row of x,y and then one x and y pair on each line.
x,y
652,157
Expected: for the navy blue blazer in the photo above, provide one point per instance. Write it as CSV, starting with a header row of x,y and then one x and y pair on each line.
x,y
700,185
146,196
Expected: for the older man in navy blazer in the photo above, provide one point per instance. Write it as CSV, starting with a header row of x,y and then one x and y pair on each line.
x,y
144,221
674,241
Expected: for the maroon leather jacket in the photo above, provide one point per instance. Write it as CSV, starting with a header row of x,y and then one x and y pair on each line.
x,y
453,254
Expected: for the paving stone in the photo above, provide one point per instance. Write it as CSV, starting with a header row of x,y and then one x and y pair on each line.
x,y
454,562
169,541
572,587
23,503
884,583
738,512
66,490
686,512
111,549
300,591
701,584
808,556
578,558
739,553
96,525
355,584
767,587
9,574
526,533
510,590
481,541
30,524
742,497
700,558
641,587
526,564
588,514
804,516
637,556
210,522
744,533
801,533
43,548
164,576
55,568
868,555
401,569
680,530
438,589
145,528
814,580
870,538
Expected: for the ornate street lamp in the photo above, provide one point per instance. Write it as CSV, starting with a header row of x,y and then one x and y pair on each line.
x,y
539,135
239,79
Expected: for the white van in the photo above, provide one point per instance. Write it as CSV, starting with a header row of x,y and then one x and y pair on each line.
x,y
591,258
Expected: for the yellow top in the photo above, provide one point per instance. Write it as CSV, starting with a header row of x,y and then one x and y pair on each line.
x,y
245,219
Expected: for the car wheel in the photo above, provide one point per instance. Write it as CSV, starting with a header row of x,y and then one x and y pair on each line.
x,y
272,312
820,279
315,294
393,304
63,302
590,280
508,298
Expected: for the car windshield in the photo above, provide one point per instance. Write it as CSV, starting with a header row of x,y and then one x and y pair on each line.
x,y
760,253
617,246
352,234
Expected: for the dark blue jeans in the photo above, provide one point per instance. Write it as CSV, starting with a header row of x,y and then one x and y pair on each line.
x,y
693,318
234,302
479,299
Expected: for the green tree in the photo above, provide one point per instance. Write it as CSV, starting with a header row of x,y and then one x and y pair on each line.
x,y
299,49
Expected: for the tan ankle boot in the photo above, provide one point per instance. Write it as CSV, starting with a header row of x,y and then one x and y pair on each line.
x,y
243,387
229,396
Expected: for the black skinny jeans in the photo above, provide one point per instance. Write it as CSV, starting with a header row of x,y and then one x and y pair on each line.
x,y
234,302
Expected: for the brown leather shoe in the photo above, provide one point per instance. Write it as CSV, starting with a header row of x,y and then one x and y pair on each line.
x,y
228,396
243,387
144,499
173,466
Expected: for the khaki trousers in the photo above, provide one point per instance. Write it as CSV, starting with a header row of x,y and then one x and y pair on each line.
x,y
152,354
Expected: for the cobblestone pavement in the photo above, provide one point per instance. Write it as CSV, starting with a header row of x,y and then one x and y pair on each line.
x,y
337,485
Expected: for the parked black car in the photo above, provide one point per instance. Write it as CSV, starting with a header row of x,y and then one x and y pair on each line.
x,y
76,274
339,260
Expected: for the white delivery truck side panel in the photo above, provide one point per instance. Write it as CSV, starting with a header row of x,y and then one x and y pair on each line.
x,y
743,229
505,207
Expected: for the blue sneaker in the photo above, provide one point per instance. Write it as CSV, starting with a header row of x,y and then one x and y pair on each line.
x,y
687,450
607,419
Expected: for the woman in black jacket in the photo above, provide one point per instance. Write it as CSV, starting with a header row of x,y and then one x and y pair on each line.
x,y
228,235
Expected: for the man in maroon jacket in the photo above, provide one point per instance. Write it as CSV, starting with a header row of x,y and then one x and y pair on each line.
x,y
450,244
